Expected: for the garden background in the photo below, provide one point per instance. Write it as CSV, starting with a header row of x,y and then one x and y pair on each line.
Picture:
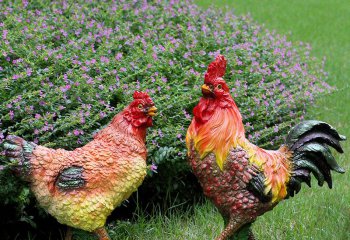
x,y
316,213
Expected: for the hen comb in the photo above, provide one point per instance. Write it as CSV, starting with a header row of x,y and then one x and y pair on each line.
x,y
215,69
140,95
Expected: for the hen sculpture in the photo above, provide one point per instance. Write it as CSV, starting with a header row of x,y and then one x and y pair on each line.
x,y
241,179
80,188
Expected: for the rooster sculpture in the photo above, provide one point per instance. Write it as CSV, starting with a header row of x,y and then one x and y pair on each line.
x,y
241,179
80,188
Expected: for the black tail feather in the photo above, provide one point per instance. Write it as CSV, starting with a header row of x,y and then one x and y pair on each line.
x,y
311,126
310,142
320,137
302,163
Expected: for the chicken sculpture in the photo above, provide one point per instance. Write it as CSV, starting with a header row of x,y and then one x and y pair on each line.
x,y
241,179
81,188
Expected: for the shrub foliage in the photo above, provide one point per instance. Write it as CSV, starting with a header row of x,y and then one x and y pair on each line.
x,y
67,68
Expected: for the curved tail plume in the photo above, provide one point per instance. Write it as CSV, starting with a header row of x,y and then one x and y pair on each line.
x,y
310,142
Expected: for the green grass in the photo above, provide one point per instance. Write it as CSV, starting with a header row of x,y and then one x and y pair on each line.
x,y
316,213
203,222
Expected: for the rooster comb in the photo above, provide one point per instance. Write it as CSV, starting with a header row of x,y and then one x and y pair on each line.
x,y
216,69
140,95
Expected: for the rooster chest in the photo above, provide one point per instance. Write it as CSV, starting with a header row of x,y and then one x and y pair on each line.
x,y
227,188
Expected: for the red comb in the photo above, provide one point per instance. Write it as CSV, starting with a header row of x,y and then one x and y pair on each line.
x,y
140,95
216,69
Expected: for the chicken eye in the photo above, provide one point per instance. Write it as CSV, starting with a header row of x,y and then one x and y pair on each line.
x,y
219,86
140,106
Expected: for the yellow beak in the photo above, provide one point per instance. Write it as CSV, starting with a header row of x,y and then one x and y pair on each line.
x,y
206,90
152,111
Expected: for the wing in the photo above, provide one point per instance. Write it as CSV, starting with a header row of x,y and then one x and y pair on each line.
x,y
257,186
70,178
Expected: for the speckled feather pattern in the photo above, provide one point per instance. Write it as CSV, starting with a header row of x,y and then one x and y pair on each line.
x,y
227,189
243,180
223,131
113,169
80,188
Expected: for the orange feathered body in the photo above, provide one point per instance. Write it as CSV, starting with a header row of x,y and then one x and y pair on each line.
x,y
114,165
80,188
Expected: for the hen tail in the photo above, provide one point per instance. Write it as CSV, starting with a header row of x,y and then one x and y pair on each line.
x,y
310,142
19,153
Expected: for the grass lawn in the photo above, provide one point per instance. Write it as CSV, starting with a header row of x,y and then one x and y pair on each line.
x,y
317,213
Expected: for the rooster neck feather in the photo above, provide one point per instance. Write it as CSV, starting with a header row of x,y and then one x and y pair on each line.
x,y
217,127
207,106
120,124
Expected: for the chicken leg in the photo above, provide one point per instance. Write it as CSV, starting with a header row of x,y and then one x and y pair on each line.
x,y
236,231
69,234
231,227
102,234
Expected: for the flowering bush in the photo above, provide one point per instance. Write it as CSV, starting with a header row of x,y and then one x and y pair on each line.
x,y
67,68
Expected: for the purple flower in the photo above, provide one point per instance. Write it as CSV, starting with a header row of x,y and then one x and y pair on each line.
x,y
104,59
153,168
118,56
76,132
186,55
16,76
65,88
103,115
11,114
29,72
85,68
4,34
187,116
154,55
